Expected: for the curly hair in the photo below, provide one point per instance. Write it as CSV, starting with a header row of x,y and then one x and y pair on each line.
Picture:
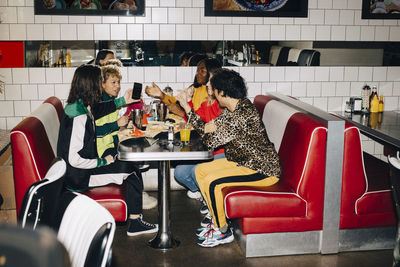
x,y
115,62
86,85
110,70
230,83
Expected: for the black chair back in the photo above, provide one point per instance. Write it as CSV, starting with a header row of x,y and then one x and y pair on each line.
x,y
41,199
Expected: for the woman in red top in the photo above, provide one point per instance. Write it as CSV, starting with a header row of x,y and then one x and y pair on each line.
x,y
208,110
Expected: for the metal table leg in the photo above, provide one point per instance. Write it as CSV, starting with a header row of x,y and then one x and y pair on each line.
x,y
164,238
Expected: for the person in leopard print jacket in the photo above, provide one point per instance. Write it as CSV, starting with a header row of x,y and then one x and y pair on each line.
x,y
251,158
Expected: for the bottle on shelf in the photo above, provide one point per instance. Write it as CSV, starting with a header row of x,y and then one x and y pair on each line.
x,y
68,59
365,92
380,107
374,104
371,96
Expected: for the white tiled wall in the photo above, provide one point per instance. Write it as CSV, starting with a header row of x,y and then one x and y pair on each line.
x,y
327,20
325,87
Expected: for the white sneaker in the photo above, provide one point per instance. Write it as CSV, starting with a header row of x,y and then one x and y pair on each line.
x,y
149,202
194,195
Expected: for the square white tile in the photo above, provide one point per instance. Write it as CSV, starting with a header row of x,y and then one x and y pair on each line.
x,y
151,32
199,32
69,32
17,31
215,32
12,92
85,31
152,74
261,74
231,32
159,15
183,32
167,32
313,89
52,32
34,31
246,32
168,74
192,15
175,15
135,31
37,75
118,31
22,108
53,75
45,91
20,75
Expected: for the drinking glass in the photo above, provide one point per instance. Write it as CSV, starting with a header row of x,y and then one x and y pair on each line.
x,y
185,133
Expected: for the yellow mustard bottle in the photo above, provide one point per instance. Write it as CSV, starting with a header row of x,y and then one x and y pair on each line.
x,y
374,104
68,60
380,107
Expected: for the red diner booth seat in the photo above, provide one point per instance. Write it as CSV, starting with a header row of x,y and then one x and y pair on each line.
x,y
34,147
295,203
366,194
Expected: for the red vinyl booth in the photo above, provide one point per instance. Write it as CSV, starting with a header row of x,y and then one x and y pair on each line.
x,y
366,195
34,146
295,203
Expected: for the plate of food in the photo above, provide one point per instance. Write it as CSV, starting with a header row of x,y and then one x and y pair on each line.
x,y
261,5
131,134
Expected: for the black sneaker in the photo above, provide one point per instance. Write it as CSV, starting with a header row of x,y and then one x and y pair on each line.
x,y
206,221
138,227
204,208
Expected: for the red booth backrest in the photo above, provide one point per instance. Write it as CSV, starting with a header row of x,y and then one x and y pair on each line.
x,y
35,136
299,150
366,194
296,202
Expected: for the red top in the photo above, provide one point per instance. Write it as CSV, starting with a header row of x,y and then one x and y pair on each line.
x,y
207,113
133,106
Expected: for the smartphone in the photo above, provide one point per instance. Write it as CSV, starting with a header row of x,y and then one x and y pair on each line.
x,y
137,90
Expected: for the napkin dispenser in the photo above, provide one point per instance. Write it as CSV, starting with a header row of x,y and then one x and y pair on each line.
x,y
356,104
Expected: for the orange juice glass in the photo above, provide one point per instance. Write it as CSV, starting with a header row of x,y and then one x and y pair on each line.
x,y
185,135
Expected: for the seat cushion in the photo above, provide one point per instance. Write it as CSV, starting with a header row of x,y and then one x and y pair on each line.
x,y
278,200
112,198
378,198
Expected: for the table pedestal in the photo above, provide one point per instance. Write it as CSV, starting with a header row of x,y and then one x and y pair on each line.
x,y
164,238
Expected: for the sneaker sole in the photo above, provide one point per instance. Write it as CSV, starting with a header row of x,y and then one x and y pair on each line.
x,y
218,242
204,211
149,207
143,232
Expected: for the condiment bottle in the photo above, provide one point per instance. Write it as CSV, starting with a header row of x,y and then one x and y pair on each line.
x,y
374,104
68,60
365,92
380,107
171,133
373,93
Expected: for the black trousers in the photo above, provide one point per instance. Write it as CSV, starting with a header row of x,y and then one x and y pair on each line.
x,y
117,172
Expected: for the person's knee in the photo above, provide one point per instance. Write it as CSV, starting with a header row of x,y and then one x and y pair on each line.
x,y
182,173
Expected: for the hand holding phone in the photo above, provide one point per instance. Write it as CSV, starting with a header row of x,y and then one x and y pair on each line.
x,y
137,90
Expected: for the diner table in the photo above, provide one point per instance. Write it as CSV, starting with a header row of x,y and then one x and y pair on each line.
x,y
161,150
383,127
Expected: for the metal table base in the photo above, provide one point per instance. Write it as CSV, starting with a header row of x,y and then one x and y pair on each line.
x,y
164,239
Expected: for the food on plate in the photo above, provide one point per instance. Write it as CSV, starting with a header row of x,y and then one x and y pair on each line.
x,y
124,5
136,132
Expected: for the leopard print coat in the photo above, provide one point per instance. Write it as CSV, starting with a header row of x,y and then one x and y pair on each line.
x,y
244,138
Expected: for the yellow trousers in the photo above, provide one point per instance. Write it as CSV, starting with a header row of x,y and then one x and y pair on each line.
x,y
213,176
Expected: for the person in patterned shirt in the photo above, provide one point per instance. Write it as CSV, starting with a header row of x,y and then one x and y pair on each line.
x,y
251,158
